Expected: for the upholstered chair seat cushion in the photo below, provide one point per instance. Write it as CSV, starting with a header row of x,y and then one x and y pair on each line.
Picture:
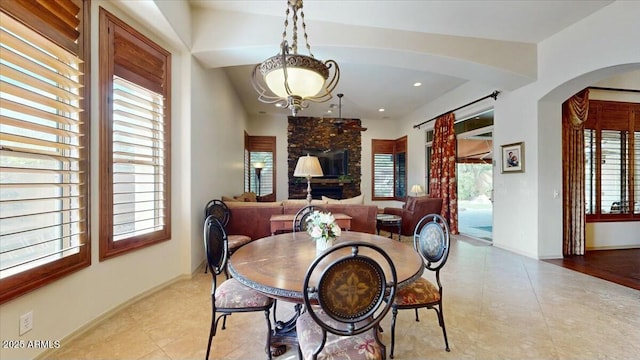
x,y
231,294
421,291
235,241
363,346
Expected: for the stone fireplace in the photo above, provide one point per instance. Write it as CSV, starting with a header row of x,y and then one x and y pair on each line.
x,y
304,133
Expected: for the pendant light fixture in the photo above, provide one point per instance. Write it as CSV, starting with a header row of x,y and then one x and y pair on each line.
x,y
291,79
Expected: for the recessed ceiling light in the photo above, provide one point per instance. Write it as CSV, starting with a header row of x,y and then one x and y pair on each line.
x,y
278,105
381,110
416,84
329,111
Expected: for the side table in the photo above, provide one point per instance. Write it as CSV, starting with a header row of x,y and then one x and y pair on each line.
x,y
389,220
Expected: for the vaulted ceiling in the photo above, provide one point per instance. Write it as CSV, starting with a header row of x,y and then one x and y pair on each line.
x,y
384,47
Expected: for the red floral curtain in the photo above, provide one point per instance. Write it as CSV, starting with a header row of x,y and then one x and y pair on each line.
x,y
443,169
574,115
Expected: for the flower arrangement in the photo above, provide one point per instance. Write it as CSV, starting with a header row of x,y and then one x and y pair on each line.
x,y
322,225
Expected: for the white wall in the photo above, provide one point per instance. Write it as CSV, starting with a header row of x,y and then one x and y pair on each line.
x,y
73,302
527,216
217,146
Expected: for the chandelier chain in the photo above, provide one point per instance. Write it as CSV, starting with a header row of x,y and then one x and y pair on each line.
x,y
294,34
284,45
293,47
304,30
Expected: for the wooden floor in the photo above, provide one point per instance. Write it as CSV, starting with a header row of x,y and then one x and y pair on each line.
x,y
618,266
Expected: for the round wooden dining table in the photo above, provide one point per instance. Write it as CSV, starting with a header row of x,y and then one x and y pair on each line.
x,y
276,265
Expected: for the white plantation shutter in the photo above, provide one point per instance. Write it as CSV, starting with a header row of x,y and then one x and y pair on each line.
x,y
266,174
138,160
612,153
383,175
247,171
613,175
40,212
383,168
590,170
43,167
135,186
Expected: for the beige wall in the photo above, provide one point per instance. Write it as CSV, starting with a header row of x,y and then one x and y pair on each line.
x,y
216,147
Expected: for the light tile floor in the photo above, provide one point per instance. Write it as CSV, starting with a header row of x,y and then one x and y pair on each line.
x,y
497,305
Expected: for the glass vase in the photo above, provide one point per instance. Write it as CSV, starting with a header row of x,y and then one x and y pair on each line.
x,y
323,244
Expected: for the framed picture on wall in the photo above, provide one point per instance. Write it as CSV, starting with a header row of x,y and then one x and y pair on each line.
x,y
513,158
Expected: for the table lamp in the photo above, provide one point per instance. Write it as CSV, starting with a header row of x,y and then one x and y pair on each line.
x,y
308,167
417,189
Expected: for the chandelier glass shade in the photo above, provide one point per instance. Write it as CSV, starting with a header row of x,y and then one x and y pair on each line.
x,y
291,79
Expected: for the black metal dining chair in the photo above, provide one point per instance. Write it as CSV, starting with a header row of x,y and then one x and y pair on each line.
x,y
431,240
221,211
345,302
230,296
300,219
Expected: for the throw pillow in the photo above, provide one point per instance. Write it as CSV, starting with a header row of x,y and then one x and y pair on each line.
x,y
228,199
354,200
329,200
247,197
411,203
302,202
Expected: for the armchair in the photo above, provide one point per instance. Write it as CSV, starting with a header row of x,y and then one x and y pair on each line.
x,y
414,209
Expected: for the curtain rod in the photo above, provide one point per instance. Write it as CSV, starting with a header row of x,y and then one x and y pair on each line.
x,y
613,89
493,95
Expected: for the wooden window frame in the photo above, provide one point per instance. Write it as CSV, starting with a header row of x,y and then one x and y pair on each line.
x,y
393,148
128,54
260,144
616,116
65,23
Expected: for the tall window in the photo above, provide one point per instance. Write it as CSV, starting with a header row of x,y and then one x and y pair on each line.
x,y
612,161
261,152
43,143
134,139
389,176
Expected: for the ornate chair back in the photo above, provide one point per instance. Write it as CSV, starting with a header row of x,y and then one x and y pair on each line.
x,y
432,241
330,287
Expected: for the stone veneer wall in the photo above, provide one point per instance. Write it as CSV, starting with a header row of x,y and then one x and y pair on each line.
x,y
318,133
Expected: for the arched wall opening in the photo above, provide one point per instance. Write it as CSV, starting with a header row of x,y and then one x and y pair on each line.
x,y
550,224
